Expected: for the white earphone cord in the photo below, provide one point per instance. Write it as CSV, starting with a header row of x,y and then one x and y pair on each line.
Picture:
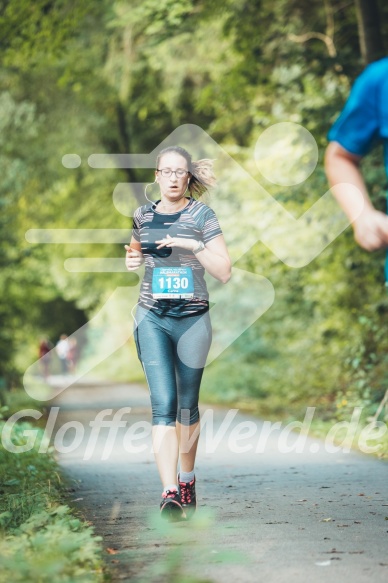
x,y
145,191
135,306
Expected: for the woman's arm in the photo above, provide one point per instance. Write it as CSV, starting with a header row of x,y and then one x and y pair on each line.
x,y
371,226
133,257
214,258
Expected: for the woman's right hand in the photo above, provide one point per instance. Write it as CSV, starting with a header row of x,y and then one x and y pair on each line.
x,y
133,258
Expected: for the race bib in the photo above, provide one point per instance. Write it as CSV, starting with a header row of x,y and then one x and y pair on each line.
x,y
172,283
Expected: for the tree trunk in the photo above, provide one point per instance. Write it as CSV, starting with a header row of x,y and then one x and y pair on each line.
x,y
125,148
371,40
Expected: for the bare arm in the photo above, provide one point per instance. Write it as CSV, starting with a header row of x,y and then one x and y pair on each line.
x,y
371,226
133,257
214,258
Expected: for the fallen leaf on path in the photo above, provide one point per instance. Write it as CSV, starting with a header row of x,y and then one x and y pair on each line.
x,y
112,551
335,551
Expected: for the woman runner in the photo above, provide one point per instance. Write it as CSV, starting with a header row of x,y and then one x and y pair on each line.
x,y
179,238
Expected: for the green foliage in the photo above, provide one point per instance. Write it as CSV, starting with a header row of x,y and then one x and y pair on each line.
x,y
86,77
50,546
40,538
175,564
31,31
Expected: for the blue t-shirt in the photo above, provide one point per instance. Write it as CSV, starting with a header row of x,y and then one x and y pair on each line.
x,y
363,122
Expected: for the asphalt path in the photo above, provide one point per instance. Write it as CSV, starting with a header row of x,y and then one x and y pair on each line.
x,y
273,506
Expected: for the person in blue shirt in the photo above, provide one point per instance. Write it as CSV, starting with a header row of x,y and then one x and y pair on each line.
x,y
362,124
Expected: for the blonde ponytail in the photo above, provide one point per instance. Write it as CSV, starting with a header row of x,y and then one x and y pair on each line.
x,y
202,177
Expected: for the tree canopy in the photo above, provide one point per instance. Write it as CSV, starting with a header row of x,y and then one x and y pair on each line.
x,y
118,77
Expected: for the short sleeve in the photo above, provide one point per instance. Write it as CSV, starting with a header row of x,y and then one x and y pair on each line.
x,y
358,127
211,227
136,225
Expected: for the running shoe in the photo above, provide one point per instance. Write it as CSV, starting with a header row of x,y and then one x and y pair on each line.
x,y
170,505
188,497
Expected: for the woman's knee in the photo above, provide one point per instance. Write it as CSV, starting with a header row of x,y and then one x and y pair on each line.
x,y
164,412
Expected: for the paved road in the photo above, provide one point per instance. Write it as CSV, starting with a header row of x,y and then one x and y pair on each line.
x,y
263,515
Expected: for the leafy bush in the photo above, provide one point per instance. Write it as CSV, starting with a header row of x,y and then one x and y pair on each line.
x,y
49,546
40,539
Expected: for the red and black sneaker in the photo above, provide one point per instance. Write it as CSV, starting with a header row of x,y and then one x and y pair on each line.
x,y
188,497
170,505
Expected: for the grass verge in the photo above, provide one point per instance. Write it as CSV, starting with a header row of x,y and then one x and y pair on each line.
x,y
345,431
41,540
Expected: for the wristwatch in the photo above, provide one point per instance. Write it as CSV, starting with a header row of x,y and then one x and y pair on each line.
x,y
201,247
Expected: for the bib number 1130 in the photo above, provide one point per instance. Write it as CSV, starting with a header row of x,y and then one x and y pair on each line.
x,y
172,282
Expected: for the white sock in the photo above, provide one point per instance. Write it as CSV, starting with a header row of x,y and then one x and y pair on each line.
x,y
170,487
186,476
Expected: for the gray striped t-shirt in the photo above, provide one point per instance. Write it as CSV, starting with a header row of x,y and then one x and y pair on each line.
x,y
196,221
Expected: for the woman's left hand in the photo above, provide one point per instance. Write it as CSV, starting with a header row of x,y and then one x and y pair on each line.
x,y
189,244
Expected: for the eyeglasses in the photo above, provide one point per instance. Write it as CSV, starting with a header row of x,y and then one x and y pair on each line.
x,y
166,172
